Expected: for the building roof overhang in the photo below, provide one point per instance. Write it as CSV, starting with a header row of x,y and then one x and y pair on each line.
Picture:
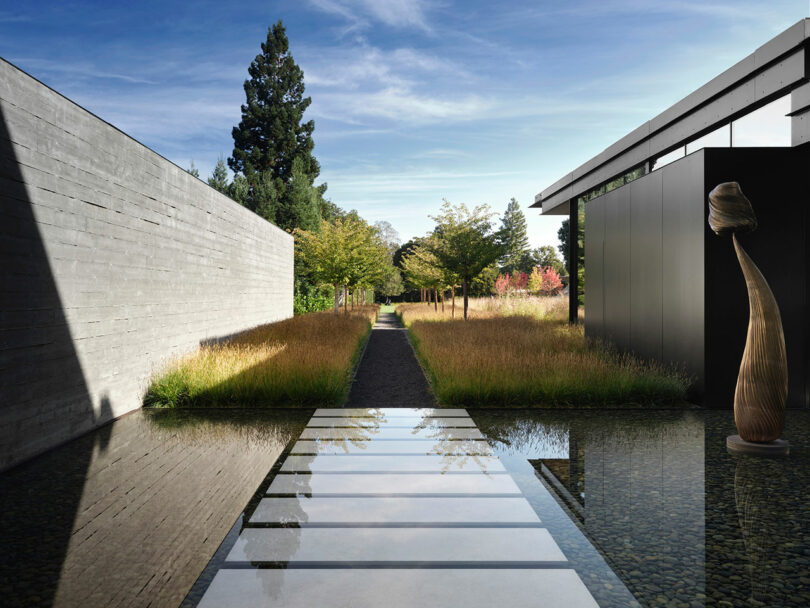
x,y
777,67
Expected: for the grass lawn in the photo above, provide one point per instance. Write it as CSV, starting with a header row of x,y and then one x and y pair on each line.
x,y
388,308
525,354
306,360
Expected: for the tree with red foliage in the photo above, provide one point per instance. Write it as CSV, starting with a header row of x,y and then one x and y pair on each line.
x,y
545,281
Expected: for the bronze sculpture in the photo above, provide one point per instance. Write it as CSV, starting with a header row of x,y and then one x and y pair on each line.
x,y
761,394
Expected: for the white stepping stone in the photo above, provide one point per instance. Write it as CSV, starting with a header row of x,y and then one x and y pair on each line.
x,y
397,588
405,446
395,510
405,421
372,483
442,434
327,463
395,545
390,412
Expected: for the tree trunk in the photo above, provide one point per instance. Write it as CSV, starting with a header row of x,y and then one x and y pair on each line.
x,y
466,299
427,291
337,298
453,295
435,300
442,301
421,294
346,299
363,303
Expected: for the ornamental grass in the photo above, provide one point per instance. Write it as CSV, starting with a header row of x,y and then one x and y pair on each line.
x,y
303,361
531,359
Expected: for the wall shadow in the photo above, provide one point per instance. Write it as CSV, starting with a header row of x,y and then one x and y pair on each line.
x,y
43,396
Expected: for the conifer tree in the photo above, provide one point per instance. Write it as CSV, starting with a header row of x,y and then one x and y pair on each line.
x,y
514,237
271,143
219,178
192,170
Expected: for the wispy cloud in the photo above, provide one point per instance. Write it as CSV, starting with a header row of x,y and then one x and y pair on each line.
x,y
405,107
360,14
81,69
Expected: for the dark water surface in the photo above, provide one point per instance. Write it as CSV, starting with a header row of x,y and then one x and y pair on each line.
x,y
677,519
130,514
648,507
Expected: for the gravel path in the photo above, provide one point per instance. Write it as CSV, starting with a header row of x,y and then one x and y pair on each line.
x,y
389,374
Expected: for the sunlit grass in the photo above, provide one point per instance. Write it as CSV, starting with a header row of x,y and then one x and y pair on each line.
x,y
530,358
306,360
546,308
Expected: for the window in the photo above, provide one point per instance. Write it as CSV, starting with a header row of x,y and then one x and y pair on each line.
x,y
719,138
768,126
668,158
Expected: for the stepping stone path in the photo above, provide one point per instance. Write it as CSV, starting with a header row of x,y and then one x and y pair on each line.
x,y
394,507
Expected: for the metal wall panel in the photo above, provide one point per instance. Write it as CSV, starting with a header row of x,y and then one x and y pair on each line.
x,y
775,181
683,221
646,281
594,256
616,267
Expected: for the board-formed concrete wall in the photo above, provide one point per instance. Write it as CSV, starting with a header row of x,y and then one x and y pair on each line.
x,y
112,260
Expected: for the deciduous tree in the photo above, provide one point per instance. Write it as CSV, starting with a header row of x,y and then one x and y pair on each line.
x,y
465,243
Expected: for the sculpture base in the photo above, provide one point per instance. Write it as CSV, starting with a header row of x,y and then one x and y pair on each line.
x,y
737,445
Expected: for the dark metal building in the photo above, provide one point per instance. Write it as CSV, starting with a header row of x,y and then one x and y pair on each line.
x,y
658,282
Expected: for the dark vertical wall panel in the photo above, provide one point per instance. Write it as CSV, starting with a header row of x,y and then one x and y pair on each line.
x,y
661,284
616,272
594,253
683,263
775,181
646,282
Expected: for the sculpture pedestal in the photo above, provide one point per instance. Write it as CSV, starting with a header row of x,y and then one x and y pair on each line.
x,y
737,445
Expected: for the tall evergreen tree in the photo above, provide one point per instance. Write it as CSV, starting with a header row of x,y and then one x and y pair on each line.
x,y
271,143
192,170
219,178
514,236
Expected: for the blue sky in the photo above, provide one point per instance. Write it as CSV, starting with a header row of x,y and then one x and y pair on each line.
x,y
413,100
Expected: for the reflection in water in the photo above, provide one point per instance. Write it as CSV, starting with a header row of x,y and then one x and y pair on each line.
x,y
359,431
682,522
156,502
455,453
758,523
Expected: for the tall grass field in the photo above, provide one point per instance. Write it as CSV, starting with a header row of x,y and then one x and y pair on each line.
x,y
303,361
530,357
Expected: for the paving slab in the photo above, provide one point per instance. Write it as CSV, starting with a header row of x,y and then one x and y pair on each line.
x,y
391,412
396,588
394,510
367,434
405,446
318,484
434,545
365,463
399,421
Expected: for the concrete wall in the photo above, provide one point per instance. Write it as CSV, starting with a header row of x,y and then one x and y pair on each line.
x,y
112,259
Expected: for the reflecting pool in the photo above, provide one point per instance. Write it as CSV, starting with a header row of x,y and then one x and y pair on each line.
x,y
677,519
647,508
130,514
